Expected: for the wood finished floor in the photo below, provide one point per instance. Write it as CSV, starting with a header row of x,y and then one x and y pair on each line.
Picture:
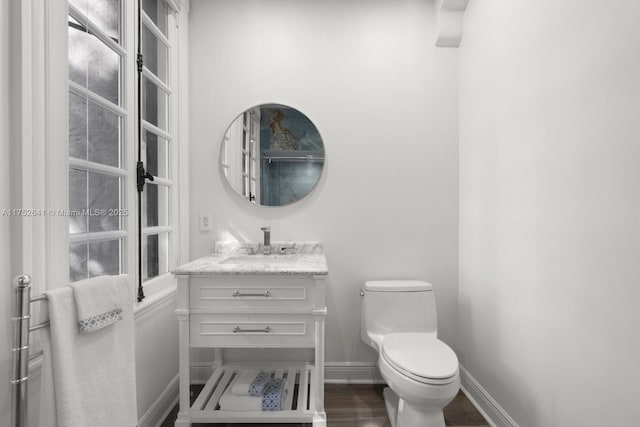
x,y
361,406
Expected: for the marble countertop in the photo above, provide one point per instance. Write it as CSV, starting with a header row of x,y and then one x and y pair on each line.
x,y
287,258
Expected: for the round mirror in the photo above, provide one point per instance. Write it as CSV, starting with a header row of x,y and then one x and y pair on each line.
x,y
272,155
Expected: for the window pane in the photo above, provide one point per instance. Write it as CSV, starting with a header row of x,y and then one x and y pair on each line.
x,y
104,136
77,126
104,13
155,255
78,55
94,259
78,256
155,154
104,258
92,64
158,12
103,70
77,201
154,104
155,205
155,54
104,195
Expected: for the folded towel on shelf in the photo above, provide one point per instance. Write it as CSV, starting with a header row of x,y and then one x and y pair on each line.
x,y
98,302
92,376
273,399
250,382
234,402
274,393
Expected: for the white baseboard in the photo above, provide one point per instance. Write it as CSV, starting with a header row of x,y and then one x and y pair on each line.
x,y
334,373
352,373
161,407
482,400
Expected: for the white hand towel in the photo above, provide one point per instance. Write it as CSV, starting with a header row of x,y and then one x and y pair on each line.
x,y
243,381
234,402
48,396
98,302
93,374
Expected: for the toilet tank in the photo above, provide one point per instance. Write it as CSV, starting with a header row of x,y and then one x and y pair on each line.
x,y
397,306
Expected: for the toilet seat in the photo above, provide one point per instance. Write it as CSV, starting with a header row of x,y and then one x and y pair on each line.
x,y
421,357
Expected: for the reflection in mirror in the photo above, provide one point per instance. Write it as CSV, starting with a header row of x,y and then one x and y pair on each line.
x,y
272,155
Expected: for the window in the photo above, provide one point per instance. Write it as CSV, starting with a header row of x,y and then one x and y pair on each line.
x,y
157,139
240,152
102,141
96,139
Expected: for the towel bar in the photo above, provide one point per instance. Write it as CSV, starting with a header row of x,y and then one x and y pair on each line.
x,y
20,350
38,326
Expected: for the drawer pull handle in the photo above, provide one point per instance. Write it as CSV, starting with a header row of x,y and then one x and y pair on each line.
x,y
238,329
263,294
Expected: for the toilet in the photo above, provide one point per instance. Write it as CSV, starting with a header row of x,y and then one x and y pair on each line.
x,y
399,321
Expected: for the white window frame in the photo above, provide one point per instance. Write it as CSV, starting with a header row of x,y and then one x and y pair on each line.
x,y
240,155
42,144
173,227
126,112
254,163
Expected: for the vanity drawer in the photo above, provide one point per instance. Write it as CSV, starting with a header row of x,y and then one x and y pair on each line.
x,y
259,293
252,330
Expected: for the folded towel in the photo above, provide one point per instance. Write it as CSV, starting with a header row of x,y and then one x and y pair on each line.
x,y
250,382
234,402
98,302
272,400
274,393
93,375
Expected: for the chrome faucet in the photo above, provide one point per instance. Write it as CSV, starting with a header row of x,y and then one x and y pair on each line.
x,y
267,240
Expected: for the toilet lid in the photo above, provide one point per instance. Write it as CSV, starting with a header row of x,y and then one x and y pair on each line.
x,y
420,355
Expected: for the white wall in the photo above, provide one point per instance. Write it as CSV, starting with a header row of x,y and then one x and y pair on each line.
x,y
385,102
156,331
550,208
6,293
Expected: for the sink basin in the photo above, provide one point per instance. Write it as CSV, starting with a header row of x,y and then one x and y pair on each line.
x,y
281,260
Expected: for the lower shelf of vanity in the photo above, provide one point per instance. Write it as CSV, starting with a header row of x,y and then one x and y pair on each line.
x,y
299,406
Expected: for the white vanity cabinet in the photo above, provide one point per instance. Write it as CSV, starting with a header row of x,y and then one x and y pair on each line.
x,y
257,309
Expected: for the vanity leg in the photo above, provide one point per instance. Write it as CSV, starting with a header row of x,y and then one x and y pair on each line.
x,y
319,420
184,420
217,358
320,316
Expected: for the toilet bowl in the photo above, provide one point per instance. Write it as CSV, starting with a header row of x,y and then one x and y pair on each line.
x,y
400,322
422,373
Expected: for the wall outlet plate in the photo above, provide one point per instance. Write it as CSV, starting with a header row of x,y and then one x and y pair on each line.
x,y
205,222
